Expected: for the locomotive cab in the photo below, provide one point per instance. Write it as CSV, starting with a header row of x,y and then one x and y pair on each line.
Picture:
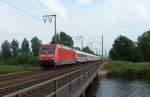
x,y
47,56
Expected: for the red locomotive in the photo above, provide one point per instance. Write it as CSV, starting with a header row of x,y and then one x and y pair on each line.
x,y
56,54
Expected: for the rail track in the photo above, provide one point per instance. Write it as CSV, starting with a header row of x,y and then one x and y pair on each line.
x,y
15,82
6,77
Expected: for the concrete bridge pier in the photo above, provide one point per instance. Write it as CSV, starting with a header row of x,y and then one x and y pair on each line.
x,y
90,86
83,94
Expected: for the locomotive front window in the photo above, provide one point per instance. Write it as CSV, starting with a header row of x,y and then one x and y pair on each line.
x,y
49,50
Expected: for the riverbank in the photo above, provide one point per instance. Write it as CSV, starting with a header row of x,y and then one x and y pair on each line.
x,y
125,69
4,69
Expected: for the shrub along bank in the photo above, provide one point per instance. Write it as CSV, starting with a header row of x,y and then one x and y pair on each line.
x,y
126,69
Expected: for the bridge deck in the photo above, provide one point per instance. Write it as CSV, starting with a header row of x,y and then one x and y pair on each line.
x,y
68,85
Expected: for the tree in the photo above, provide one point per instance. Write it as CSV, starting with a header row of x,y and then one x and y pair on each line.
x,y
123,49
77,48
113,54
25,46
87,50
35,45
55,39
64,39
138,55
6,50
14,47
0,55
144,45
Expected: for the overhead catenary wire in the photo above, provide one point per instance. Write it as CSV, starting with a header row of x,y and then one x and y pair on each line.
x,y
65,24
14,10
71,26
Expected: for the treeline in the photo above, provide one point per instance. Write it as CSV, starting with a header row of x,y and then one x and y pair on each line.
x,y
11,53
27,53
127,50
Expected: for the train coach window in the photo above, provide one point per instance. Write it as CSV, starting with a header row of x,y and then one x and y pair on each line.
x,y
50,50
81,55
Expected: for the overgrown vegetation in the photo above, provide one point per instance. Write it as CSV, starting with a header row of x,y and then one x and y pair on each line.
x,y
20,60
125,69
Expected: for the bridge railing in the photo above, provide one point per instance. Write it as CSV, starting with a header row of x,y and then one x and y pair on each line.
x,y
62,86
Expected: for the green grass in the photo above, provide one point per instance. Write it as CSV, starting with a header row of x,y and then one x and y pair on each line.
x,y
16,68
125,69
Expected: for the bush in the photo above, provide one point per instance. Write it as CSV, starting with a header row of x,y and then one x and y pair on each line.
x,y
23,59
33,60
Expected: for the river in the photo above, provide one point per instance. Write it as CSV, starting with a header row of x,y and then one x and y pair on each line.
x,y
108,87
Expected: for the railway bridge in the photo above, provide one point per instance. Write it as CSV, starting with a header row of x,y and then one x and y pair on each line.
x,y
71,84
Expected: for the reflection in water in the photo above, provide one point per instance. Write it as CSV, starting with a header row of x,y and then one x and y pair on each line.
x,y
120,88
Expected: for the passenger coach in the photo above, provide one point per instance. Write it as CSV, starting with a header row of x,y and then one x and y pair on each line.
x,y
56,54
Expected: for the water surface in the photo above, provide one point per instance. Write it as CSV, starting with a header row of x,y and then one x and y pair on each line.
x,y
120,88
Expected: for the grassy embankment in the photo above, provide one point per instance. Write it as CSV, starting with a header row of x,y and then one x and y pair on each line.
x,y
125,69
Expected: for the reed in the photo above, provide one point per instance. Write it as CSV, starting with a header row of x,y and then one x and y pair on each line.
x,y
126,69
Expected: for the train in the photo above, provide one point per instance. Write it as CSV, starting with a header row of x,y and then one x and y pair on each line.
x,y
53,55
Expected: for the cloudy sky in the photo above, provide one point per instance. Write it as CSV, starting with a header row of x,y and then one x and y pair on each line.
x,y
89,18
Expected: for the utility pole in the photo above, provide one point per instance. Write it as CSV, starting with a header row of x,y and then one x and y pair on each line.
x,y
90,43
105,55
49,18
102,49
81,38
82,42
96,51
